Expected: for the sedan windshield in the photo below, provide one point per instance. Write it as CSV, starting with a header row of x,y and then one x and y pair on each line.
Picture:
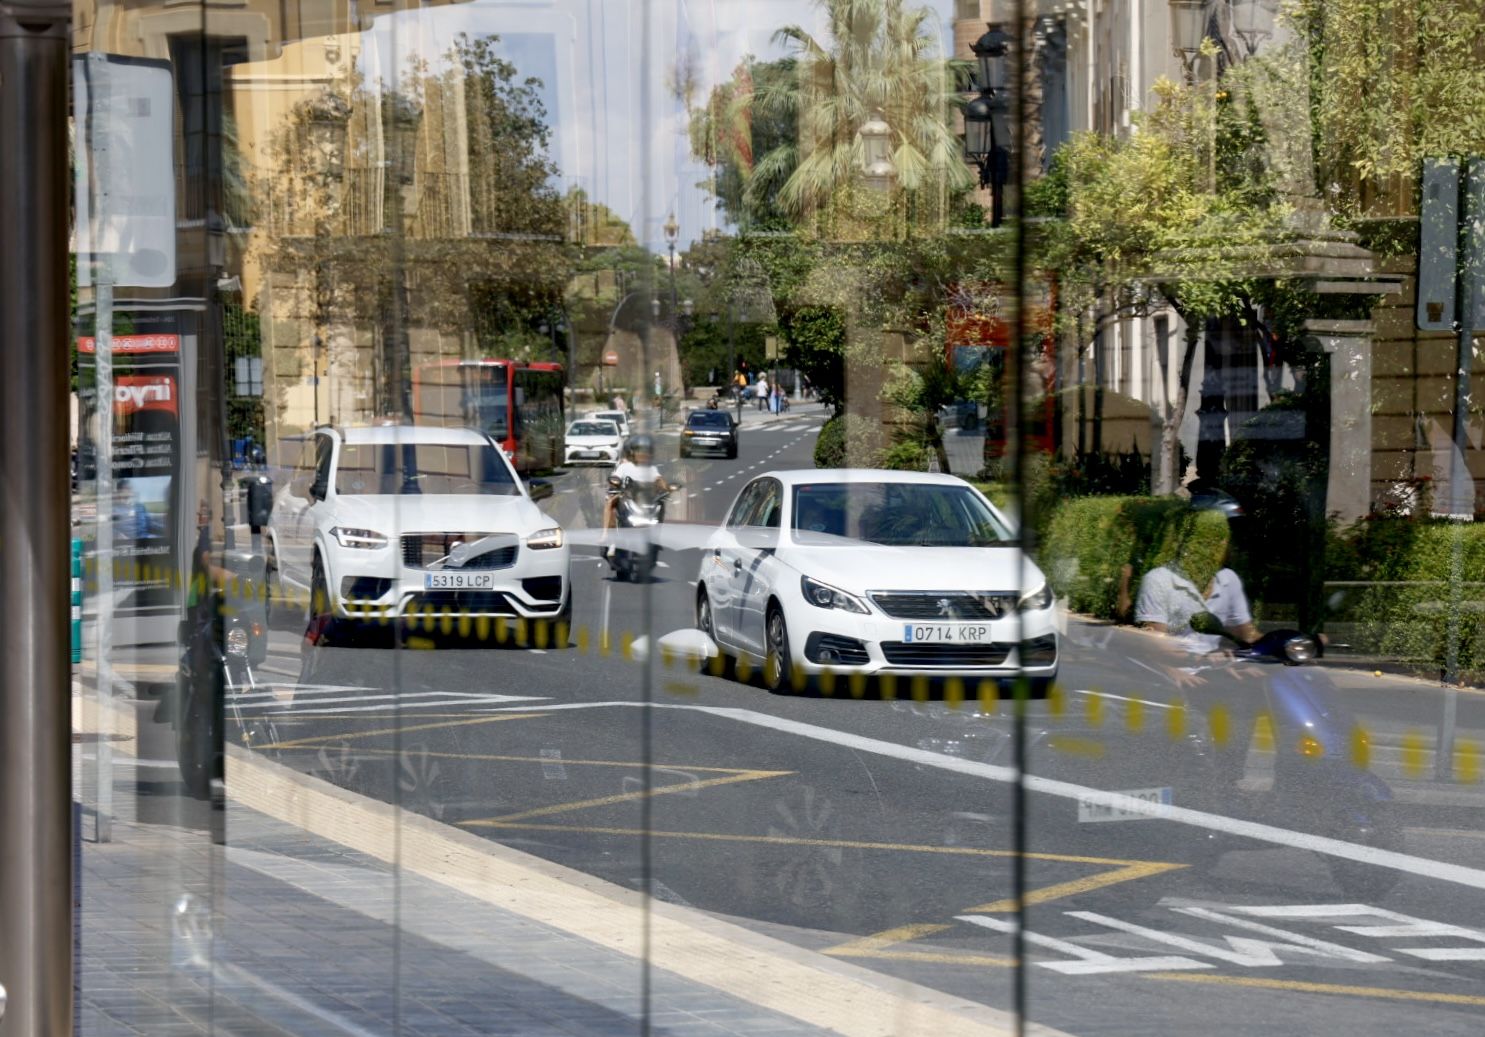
x,y
896,514
417,468
593,428
614,416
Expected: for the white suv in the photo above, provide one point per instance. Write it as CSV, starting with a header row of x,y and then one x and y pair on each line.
x,y
400,521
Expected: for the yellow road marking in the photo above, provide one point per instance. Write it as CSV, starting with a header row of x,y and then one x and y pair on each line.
x,y
879,945
312,741
1128,873
628,797
1389,993
1153,867
498,758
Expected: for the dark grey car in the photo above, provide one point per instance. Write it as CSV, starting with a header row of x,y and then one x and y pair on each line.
x,y
709,430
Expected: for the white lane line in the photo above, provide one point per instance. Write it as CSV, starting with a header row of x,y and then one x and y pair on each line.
x,y
379,703
1404,862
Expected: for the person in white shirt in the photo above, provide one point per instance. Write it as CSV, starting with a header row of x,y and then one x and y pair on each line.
x,y
762,394
638,467
1196,580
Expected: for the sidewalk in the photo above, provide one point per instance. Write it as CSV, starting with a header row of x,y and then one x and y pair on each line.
x,y
307,937
329,913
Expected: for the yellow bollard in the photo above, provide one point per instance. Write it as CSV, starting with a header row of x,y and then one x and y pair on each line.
x,y
1175,721
1412,754
1093,710
1134,716
582,639
1466,762
920,688
989,696
954,692
887,683
1219,721
1361,749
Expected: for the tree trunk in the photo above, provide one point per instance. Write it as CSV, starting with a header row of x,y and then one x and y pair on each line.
x,y
1170,437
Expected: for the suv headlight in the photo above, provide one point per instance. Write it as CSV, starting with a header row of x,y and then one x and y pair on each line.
x,y
1039,599
824,596
545,538
366,539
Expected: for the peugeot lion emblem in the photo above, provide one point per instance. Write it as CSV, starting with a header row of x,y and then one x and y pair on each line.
x,y
945,607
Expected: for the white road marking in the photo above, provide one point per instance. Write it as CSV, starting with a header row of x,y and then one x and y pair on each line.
x,y
1422,867
1090,962
1323,947
375,703
1259,956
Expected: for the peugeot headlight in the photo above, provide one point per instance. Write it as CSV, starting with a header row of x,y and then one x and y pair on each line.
x,y
543,539
824,596
366,539
237,641
1039,599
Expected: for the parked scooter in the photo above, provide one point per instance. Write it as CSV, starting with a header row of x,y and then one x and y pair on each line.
x,y
640,508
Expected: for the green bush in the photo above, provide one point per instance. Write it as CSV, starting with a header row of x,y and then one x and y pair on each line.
x,y
849,440
909,455
1404,614
1090,539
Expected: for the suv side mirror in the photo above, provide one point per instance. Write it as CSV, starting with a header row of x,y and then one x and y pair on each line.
x,y
539,489
317,491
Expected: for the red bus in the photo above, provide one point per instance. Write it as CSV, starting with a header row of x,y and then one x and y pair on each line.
x,y
518,405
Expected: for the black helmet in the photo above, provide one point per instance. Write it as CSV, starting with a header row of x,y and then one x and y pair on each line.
x,y
641,444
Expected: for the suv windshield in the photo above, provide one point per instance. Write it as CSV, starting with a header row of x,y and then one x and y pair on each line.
x,y
896,514
414,468
709,418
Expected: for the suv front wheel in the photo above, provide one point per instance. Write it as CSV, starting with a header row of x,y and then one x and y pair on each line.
x,y
320,612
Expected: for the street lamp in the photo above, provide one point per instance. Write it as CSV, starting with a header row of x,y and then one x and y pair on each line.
x,y
1188,30
1253,21
876,148
987,123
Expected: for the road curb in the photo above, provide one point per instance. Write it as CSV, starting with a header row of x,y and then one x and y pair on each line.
x,y
807,986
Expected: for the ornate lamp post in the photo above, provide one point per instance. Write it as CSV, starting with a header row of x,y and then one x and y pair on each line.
x,y
876,147
987,121
1252,21
1188,30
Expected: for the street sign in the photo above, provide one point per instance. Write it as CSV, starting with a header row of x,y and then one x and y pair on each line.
x,y
1438,257
611,359
124,111
770,347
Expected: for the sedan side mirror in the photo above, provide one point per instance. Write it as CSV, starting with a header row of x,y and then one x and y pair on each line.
x,y
539,489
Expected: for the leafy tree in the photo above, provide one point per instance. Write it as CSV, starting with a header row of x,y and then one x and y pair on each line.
x,y
732,131
876,57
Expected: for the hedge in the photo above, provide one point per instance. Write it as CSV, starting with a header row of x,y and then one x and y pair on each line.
x,y
1090,539
1402,610
1398,607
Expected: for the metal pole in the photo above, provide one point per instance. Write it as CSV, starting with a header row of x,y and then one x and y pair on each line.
x,y
103,557
35,699
1461,488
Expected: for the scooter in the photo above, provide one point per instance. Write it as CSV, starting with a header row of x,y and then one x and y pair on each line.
x,y
1317,778
641,508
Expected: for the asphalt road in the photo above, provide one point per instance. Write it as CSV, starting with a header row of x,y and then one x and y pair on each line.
x,y
880,831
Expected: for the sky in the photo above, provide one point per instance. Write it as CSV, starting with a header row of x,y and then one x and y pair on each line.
x,y
619,130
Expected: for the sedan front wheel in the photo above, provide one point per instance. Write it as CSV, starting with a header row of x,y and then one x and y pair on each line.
x,y
778,663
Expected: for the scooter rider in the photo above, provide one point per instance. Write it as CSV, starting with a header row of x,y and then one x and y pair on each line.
x,y
638,467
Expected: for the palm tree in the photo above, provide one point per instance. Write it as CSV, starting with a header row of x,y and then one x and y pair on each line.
x,y
876,57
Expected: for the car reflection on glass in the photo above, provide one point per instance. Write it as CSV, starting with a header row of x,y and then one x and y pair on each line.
x,y
900,574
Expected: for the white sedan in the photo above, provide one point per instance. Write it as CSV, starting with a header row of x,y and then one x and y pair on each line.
x,y
877,573
593,441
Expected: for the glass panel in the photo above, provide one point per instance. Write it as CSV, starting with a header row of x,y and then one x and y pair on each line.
x,y
592,520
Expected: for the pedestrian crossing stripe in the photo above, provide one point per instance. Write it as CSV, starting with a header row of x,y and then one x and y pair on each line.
x,y
290,699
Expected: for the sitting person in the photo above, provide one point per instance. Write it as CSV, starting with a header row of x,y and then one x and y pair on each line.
x,y
1169,594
